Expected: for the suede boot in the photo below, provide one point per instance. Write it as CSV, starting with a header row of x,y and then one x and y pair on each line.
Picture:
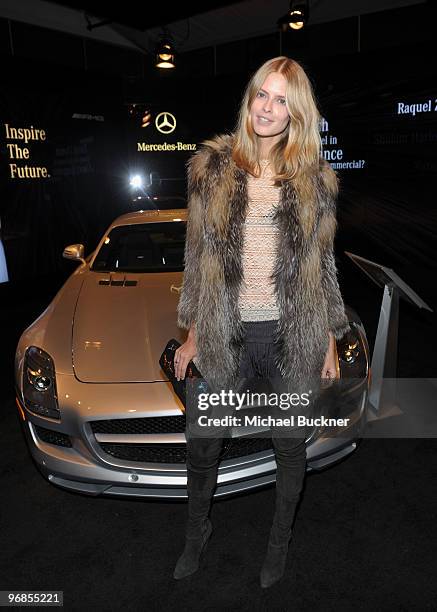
x,y
199,528
280,535
188,562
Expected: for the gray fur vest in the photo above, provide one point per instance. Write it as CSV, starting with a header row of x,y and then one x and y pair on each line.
x,y
305,275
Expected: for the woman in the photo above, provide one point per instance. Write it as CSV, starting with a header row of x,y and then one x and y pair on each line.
x,y
260,295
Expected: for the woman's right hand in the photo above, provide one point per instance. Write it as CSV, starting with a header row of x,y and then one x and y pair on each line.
x,y
183,355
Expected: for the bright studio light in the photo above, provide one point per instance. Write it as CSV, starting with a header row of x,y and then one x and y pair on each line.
x,y
136,181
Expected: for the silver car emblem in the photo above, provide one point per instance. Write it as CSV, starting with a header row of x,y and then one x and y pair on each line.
x,y
165,122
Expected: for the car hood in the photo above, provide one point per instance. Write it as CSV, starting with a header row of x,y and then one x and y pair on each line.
x,y
121,325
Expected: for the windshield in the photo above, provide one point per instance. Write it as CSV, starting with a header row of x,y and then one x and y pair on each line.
x,y
145,247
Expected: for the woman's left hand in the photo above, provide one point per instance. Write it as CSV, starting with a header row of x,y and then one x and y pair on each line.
x,y
329,369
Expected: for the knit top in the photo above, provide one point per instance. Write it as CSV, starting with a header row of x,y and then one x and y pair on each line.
x,y
257,300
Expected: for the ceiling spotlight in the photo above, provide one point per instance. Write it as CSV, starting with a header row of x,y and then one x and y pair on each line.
x,y
165,54
136,181
297,16
296,21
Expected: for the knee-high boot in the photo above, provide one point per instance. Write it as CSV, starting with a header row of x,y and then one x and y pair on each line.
x,y
280,536
200,488
289,482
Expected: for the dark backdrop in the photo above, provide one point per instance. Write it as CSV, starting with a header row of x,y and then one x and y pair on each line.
x,y
386,206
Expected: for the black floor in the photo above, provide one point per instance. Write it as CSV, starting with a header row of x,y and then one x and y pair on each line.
x,y
365,534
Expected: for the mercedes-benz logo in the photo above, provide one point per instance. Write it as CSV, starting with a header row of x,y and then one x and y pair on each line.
x,y
165,123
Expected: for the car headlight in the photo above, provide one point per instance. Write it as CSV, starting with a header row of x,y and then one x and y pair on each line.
x,y
353,354
350,352
39,383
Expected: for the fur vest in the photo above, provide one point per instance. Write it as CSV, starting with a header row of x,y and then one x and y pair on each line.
x,y
305,275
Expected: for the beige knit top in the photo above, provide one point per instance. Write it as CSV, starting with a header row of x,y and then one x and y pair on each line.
x,y
257,300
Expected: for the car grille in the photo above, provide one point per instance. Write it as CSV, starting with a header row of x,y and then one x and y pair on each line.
x,y
147,425
52,437
176,453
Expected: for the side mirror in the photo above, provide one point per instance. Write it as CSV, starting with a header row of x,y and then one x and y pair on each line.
x,y
74,251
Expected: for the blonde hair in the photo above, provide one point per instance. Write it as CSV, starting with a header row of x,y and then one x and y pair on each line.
x,y
300,146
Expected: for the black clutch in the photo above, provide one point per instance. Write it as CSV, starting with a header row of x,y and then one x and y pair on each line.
x,y
166,361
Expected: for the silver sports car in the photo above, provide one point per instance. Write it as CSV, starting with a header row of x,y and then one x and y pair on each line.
x,y
99,414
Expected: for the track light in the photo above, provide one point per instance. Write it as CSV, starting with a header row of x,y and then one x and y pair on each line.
x,y
297,16
165,54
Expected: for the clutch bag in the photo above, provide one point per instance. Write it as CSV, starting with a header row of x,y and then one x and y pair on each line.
x,y
166,361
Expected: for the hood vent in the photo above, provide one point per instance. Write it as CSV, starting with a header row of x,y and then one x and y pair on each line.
x,y
118,282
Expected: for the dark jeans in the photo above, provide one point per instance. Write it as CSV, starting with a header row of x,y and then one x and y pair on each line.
x,y
203,452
